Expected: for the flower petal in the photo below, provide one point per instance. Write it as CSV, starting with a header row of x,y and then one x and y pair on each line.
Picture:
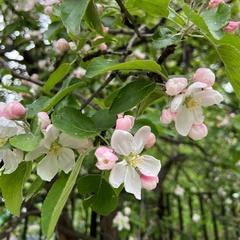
x,y
66,159
141,138
194,86
10,159
208,97
176,102
150,166
36,153
184,121
48,167
71,142
51,135
132,182
122,142
117,174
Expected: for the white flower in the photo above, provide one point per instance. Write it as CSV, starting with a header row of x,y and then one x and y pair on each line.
x,y
59,155
128,171
196,218
179,191
189,106
121,221
11,159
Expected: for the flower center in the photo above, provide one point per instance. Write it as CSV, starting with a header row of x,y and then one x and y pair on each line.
x,y
190,102
2,141
134,159
55,148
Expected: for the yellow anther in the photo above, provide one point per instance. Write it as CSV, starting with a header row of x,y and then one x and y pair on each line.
x,y
2,141
134,159
55,148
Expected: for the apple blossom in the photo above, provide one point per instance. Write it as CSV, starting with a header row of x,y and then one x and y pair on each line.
x,y
179,191
198,131
124,122
167,116
11,159
231,27
48,10
106,158
188,106
62,45
57,148
175,85
149,182
215,3
101,46
196,218
151,141
130,169
121,221
204,75
44,120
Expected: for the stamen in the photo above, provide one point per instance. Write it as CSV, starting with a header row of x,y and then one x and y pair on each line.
x,y
191,103
55,148
2,141
134,159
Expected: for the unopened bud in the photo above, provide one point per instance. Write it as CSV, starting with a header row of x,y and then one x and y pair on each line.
x,y
62,45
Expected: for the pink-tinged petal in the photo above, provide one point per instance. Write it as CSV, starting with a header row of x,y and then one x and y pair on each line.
x,y
176,102
117,174
195,86
150,166
47,168
208,97
66,159
105,165
122,142
141,138
71,142
184,121
198,132
51,135
149,182
132,182
36,153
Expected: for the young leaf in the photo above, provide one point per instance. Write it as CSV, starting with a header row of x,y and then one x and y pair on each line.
x,y
34,188
131,95
57,197
12,187
71,121
103,199
72,12
57,76
101,65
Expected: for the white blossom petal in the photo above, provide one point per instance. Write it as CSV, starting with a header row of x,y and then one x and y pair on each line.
x,y
194,86
66,159
150,166
184,121
132,182
11,160
122,142
8,128
48,167
117,174
198,115
71,142
51,135
36,153
208,97
176,102
141,138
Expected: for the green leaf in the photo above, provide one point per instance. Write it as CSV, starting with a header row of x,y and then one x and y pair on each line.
x,y
216,19
154,7
26,142
104,120
57,76
93,18
72,12
165,37
131,95
71,121
57,198
53,29
101,65
12,187
34,188
102,199
230,57
61,94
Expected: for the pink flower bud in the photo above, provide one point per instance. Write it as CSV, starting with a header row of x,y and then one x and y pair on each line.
x,y
62,45
34,77
167,116
106,158
100,8
198,131
215,3
151,141
149,182
105,29
44,120
125,123
175,85
231,27
204,75
13,110
50,2
48,10
101,46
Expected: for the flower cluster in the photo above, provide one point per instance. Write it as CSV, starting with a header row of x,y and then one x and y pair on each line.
x,y
187,102
135,171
